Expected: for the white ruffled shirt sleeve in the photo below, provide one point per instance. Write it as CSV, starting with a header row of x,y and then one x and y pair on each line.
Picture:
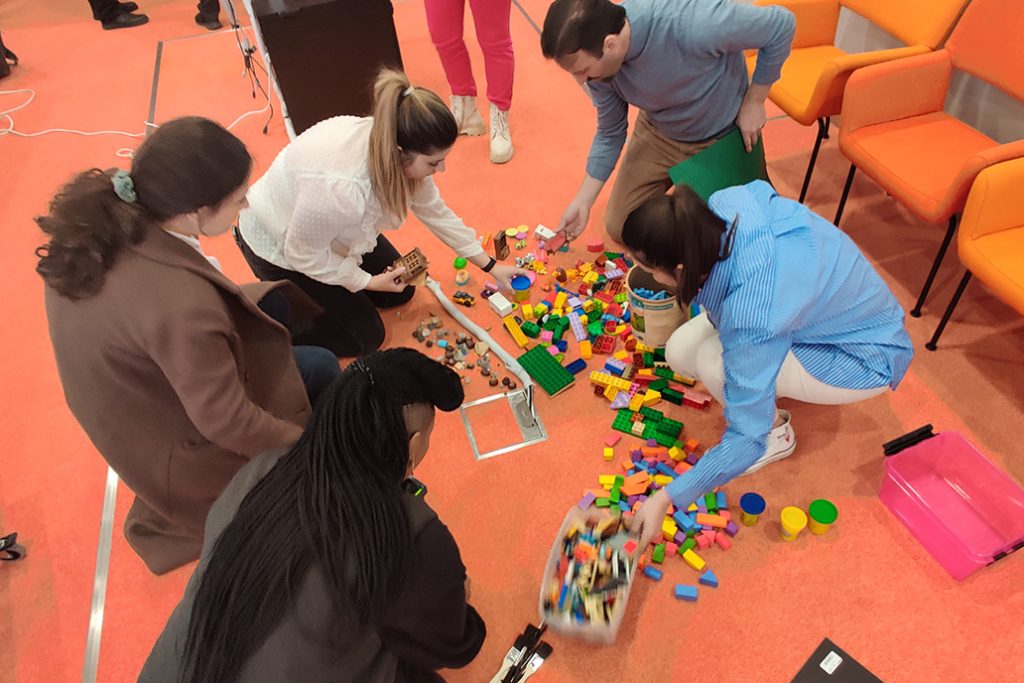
x,y
428,206
325,239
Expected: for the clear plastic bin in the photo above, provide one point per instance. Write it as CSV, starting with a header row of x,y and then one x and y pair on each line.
x,y
962,508
597,634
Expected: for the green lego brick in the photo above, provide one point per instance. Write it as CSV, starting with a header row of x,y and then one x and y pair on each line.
x,y
650,431
594,328
651,414
530,329
659,553
623,421
648,360
658,385
663,439
598,307
670,428
602,502
546,371
619,481
614,497
659,355
711,503
621,298
672,396
664,372
688,544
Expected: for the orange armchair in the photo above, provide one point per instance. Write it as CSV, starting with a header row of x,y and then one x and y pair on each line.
x,y
815,74
991,238
894,128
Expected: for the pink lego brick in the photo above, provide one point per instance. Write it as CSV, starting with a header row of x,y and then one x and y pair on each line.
x,y
703,543
723,541
612,439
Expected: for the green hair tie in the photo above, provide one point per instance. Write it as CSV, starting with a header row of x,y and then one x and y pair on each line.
x,y
124,188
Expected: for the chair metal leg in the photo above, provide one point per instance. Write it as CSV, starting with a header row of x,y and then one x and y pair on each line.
x,y
916,312
846,193
933,343
828,122
822,134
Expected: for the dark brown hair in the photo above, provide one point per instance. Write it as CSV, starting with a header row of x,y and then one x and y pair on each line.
x,y
574,25
186,164
679,229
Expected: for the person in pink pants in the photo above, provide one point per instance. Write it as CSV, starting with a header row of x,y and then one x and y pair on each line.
x,y
491,17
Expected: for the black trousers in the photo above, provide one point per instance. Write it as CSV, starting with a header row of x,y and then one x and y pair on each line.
x,y
107,10
350,324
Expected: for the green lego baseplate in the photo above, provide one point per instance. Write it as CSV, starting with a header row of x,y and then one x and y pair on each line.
x,y
546,371
666,434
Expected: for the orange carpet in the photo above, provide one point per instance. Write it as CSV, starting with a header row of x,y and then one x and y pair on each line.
x,y
867,585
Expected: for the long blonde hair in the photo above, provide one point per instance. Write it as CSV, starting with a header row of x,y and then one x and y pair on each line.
x,y
407,120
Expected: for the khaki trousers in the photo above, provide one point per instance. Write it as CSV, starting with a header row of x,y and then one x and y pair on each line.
x,y
643,171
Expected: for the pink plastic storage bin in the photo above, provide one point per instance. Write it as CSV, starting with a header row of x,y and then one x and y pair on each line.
x,y
962,508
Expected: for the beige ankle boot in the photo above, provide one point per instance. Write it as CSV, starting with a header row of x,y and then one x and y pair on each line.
x,y
501,138
466,115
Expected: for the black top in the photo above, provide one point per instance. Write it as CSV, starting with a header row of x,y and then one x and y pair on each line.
x,y
430,627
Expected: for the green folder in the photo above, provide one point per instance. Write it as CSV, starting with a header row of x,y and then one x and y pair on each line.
x,y
724,164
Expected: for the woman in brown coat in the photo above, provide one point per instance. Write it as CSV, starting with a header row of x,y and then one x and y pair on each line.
x,y
175,374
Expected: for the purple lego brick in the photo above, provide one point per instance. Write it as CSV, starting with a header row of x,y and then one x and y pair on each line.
x,y
586,501
636,455
731,528
692,458
701,507
620,401
632,500
680,538
652,443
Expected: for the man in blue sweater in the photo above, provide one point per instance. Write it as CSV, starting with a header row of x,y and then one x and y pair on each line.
x,y
681,63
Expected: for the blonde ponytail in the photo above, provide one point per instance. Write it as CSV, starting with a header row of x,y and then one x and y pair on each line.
x,y
405,119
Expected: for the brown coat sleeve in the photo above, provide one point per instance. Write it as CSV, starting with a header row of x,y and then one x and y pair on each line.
x,y
192,344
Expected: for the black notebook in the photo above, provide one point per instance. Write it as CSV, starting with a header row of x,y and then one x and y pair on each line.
x,y
830,664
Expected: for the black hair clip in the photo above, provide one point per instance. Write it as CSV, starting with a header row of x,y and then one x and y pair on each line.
x,y
365,370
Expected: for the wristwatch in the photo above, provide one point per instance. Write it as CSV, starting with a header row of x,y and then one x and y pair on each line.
x,y
490,264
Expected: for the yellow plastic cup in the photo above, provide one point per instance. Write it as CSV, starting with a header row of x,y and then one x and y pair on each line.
x,y
822,515
794,520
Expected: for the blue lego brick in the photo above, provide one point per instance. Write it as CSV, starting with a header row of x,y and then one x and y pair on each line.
x,y
708,578
652,573
666,470
577,366
721,500
685,592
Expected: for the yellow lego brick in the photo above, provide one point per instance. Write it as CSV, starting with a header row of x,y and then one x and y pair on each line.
x,y
694,560
586,352
636,403
527,310
590,278
662,479
610,392
619,329
588,305
652,398
560,300
609,454
606,480
558,311
677,454
621,354
584,319
669,528
683,379
585,268
620,384
692,508
644,348
637,429
601,378
572,274
517,333
540,310
645,372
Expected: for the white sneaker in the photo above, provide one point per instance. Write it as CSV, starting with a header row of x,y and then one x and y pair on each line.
x,y
501,138
781,444
466,115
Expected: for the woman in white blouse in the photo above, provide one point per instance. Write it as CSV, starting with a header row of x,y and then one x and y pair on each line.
x,y
317,216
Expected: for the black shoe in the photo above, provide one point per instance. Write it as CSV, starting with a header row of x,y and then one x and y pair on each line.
x,y
210,23
128,6
125,20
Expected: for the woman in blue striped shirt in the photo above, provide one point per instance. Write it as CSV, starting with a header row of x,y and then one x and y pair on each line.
x,y
791,308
